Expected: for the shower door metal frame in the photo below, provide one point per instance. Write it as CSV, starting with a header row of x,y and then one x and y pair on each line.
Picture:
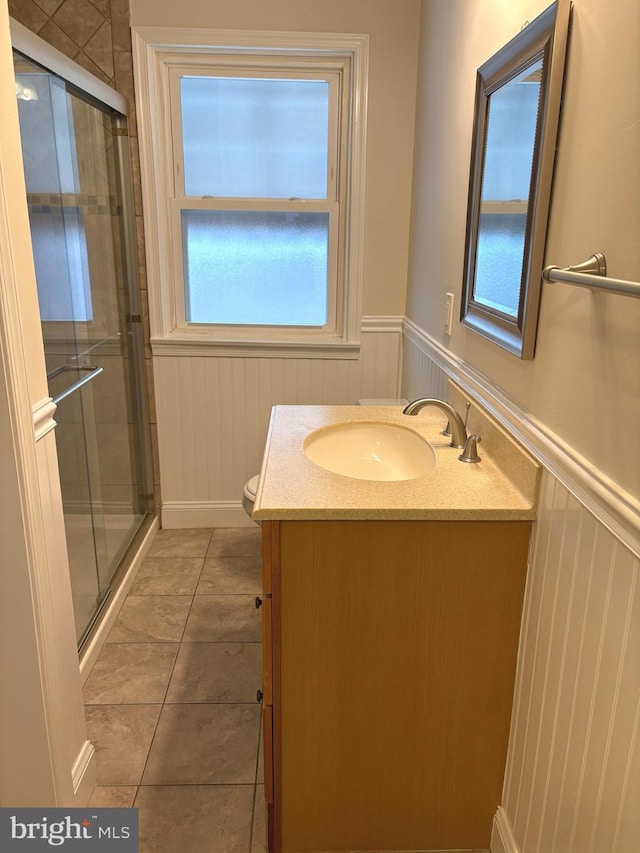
x,y
40,51
91,89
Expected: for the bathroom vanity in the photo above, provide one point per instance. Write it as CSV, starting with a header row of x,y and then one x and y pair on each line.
x,y
391,614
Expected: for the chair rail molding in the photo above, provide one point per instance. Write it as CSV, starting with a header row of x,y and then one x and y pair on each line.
x,y
614,507
43,421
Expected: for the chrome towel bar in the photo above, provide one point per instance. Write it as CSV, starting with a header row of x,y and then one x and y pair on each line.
x,y
592,273
94,371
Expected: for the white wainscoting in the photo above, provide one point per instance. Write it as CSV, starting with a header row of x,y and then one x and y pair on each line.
x,y
572,782
213,415
421,376
573,774
73,754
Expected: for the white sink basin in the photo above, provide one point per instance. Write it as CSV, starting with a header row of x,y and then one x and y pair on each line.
x,y
371,451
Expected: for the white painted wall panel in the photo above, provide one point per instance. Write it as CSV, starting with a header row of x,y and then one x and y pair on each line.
x,y
421,377
572,777
213,413
572,782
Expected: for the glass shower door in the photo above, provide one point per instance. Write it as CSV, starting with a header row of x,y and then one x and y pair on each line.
x,y
71,146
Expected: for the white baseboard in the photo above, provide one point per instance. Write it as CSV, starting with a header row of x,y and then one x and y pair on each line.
x,y
502,838
84,774
93,649
185,514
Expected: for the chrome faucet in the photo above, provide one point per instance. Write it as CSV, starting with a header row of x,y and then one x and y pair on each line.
x,y
458,429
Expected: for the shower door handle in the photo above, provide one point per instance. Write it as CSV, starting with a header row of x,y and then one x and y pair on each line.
x,y
93,372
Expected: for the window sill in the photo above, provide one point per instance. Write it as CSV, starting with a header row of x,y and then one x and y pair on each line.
x,y
325,348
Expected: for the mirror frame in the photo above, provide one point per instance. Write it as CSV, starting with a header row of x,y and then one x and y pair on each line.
x,y
544,38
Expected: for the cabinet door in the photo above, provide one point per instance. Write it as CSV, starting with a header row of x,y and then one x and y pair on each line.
x,y
397,652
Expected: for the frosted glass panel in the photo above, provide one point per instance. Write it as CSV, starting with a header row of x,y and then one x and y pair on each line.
x,y
255,268
62,266
511,129
499,260
254,138
48,142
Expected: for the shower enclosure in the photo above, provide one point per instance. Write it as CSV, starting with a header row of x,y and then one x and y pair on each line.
x,y
76,163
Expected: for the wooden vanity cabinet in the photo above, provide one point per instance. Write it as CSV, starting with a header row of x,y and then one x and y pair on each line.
x,y
390,653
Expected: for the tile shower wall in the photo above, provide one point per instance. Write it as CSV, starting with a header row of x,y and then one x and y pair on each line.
x,y
96,35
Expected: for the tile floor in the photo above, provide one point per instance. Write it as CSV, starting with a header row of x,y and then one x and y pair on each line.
x,y
171,701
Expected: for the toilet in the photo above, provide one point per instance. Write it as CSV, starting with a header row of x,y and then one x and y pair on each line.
x,y
249,494
251,486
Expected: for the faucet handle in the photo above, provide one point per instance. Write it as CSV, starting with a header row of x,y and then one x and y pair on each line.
x,y
470,452
447,430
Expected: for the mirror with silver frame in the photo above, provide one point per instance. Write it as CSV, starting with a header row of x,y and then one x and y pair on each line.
x,y
517,110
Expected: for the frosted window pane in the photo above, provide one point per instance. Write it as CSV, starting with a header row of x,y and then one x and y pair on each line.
x,y
255,138
61,263
511,128
499,260
255,268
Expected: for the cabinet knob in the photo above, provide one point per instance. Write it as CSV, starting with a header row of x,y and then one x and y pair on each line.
x,y
259,696
258,602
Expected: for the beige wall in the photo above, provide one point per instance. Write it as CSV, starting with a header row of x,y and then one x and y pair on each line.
x,y
393,28
573,771
584,383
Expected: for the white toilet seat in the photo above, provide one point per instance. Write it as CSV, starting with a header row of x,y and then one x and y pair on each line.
x,y
251,487
249,494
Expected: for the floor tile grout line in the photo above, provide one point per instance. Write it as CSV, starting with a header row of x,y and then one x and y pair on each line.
x,y
255,786
257,591
190,785
193,598
155,731
214,642
162,704
259,740
253,817
184,627
179,643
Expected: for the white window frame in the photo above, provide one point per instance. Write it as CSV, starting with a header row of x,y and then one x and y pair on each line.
x,y
160,56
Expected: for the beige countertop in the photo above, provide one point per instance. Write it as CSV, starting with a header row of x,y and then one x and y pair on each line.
x,y
293,487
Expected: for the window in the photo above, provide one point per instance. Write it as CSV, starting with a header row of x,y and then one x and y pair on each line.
x,y
261,143
255,188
